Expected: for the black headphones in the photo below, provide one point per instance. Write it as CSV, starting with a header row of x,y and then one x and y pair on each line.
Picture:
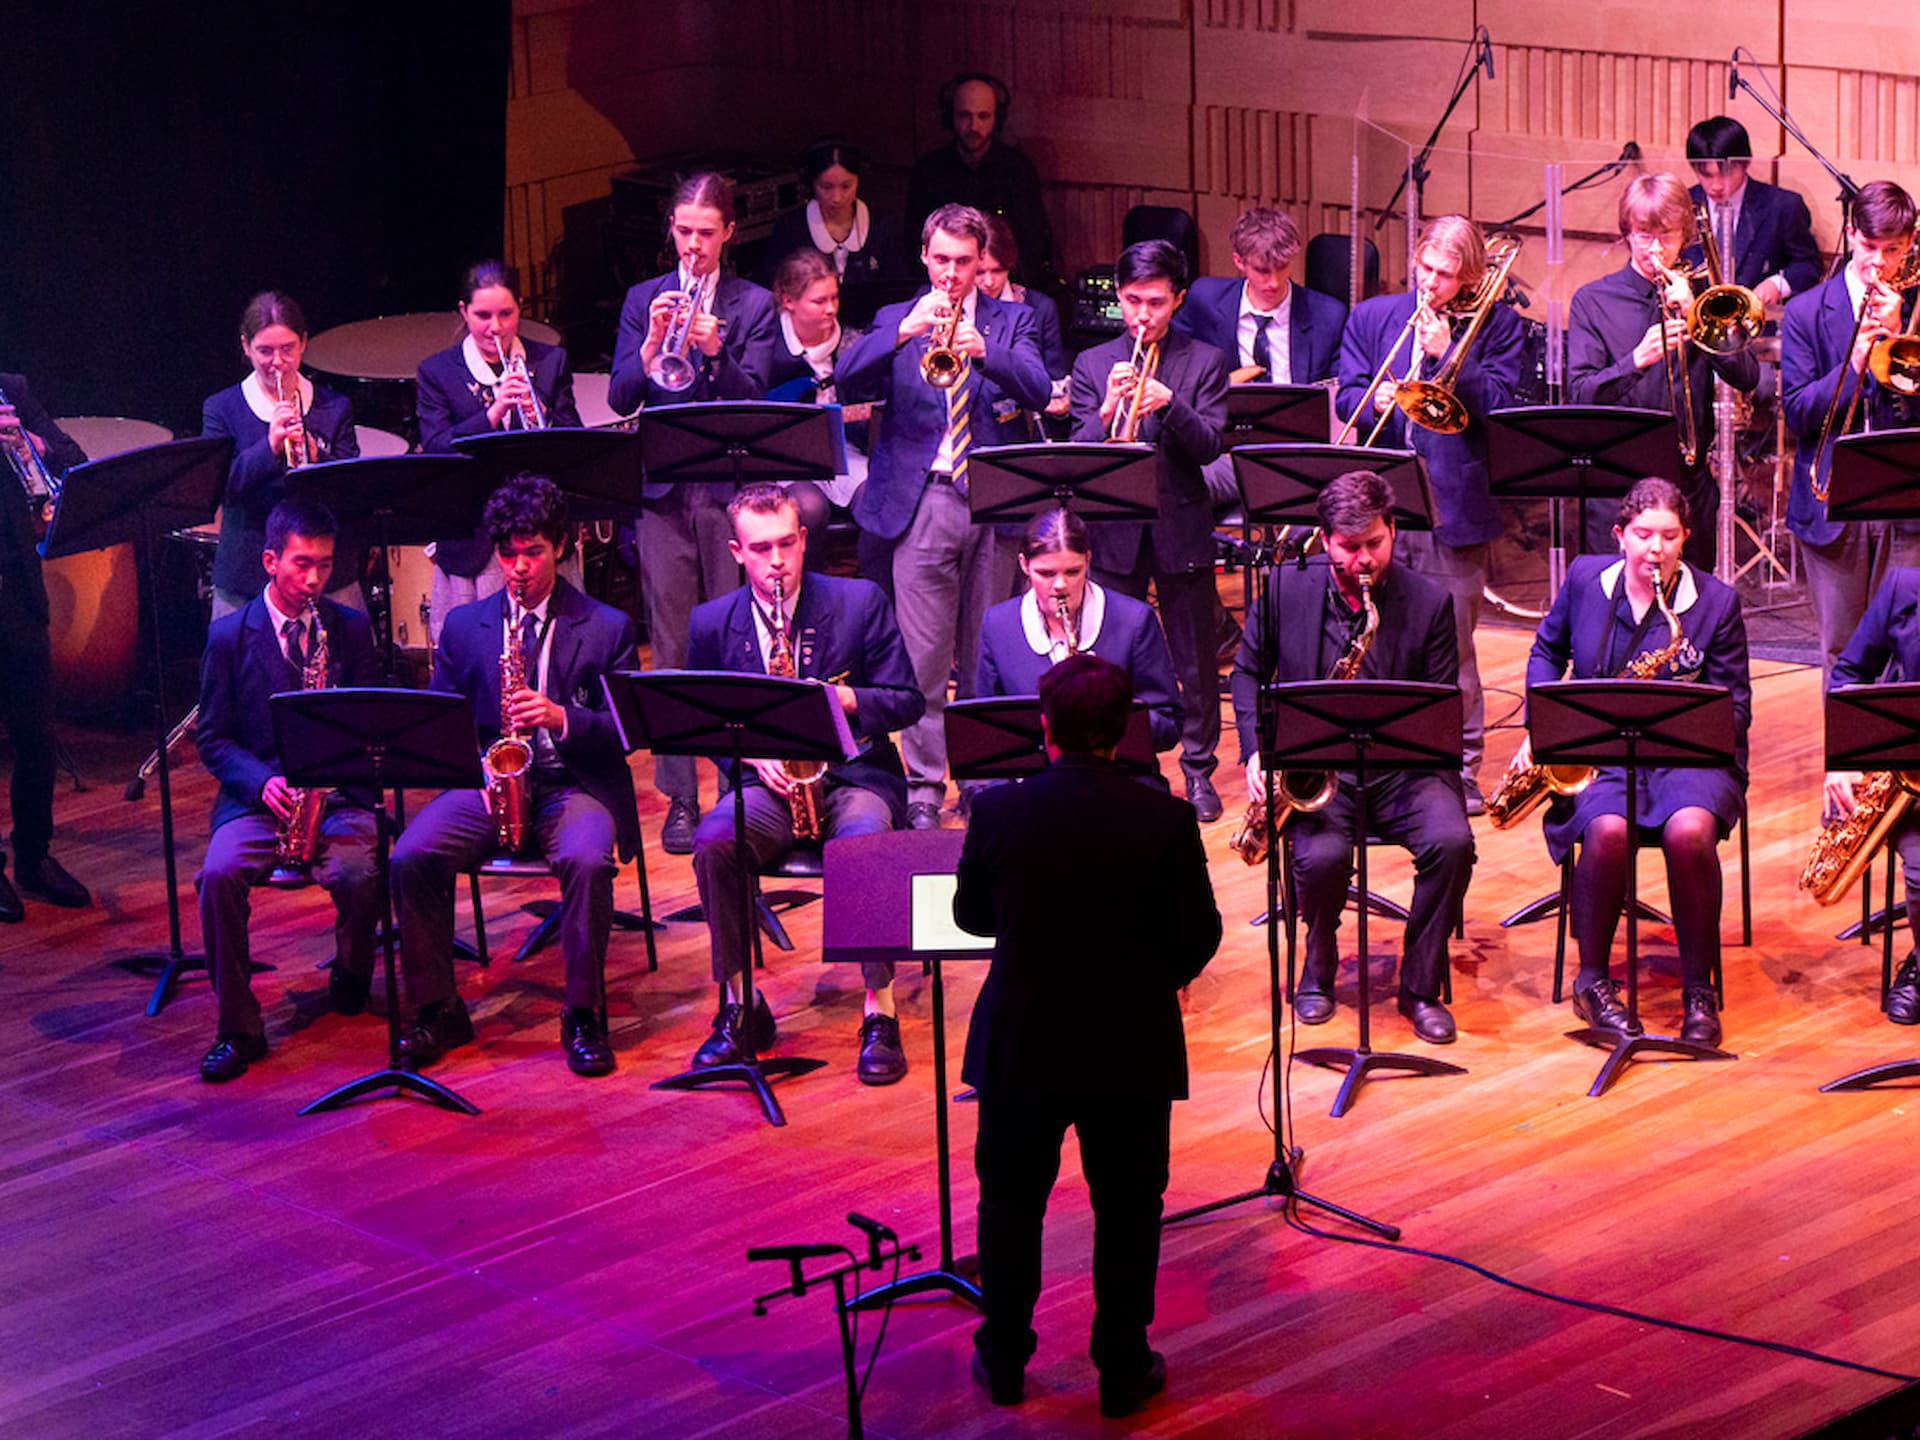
x,y
1002,98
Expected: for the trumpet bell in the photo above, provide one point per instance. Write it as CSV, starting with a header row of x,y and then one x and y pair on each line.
x,y
940,368
1431,406
1725,319
672,372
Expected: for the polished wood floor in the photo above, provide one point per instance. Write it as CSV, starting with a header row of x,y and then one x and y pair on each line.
x,y
181,1260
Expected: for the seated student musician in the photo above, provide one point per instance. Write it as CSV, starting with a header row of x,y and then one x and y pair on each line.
x,y
1764,232
998,262
1885,650
580,801
1062,613
1311,619
1275,332
842,633
1608,621
280,640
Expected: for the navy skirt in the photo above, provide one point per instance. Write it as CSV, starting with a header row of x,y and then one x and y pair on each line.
x,y
1659,794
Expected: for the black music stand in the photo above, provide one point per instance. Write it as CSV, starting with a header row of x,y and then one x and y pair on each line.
x,y
1630,723
889,896
1281,484
728,716
1264,414
1363,726
737,441
374,739
1010,484
1873,476
998,737
141,496
1875,727
1578,453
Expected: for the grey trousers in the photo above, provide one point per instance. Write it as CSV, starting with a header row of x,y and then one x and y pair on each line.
x,y
1843,576
1463,570
240,856
455,832
683,560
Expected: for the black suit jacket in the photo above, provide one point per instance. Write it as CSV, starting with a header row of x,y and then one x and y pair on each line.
x,y
1415,640
1774,237
23,589
243,667
1314,323
1886,643
1188,432
589,639
1096,892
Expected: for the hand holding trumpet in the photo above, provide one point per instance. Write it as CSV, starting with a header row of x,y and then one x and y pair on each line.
x,y
1122,380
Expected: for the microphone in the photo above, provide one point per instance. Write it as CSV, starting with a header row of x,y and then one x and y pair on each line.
x,y
795,1253
1485,58
1630,153
872,1229
1733,77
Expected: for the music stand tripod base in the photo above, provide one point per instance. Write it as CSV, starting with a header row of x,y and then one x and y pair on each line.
x,y
752,1072
167,971
1874,1075
1626,1047
1359,1063
391,1084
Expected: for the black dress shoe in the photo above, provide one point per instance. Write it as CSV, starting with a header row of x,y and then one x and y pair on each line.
x,y
11,910
1312,1006
1121,1396
1598,1003
441,1026
923,815
1700,1019
676,835
1903,999
723,1046
1204,798
348,991
585,1041
882,1060
230,1056
48,880
1001,1389
1431,1022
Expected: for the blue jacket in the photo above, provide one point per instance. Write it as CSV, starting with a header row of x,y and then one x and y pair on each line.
x,y
1314,325
844,632
589,639
1886,644
1814,341
1774,237
242,668
879,368
23,588
1130,636
1456,464
257,481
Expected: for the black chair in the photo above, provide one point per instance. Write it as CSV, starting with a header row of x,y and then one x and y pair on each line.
x,y
501,866
802,862
1329,270
1163,222
1377,904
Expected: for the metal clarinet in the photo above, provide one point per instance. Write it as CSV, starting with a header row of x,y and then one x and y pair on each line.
x,y
804,796
533,415
43,490
1145,364
298,448
300,831
508,763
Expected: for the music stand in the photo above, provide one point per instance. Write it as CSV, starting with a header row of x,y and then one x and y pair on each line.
x,y
1630,723
998,737
736,441
1875,727
1873,477
1266,414
889,897
1578,453
1362,727
1010,484
597,470
1281,484
724,715
140,496
375,738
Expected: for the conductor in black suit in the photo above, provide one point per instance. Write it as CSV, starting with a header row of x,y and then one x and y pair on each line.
x,y
1309,620
1106,928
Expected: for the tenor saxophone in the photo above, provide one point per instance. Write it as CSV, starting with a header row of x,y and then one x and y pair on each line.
x,y
508,763
804,796
1846,843
300,831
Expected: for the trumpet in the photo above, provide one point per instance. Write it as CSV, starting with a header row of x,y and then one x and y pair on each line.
x,y
533,415
1145,364
1897,356
43,490
942,365
299,446
673,368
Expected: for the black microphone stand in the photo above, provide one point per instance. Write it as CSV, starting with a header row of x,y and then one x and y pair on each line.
x,y
1417,171
1736,82
1629,155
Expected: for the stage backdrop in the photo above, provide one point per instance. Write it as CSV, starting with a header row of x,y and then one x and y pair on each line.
x,y
161,163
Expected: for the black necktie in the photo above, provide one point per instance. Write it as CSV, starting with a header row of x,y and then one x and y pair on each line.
x,y
296,649
1262,348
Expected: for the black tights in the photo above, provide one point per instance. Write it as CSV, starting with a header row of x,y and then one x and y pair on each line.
x,y
1691,841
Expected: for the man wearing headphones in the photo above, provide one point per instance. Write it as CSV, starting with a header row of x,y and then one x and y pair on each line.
x,y
981,170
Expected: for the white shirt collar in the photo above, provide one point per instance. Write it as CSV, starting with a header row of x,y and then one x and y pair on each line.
x,y
477,365
1685,593
1281,312
837,250
818,357
262,404
1093,610
280,617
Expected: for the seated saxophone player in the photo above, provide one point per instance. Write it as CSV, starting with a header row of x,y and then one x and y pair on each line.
x,y
1311,620
1627,339
556,643
1607,621
841,632
269,645
1449,267
1885,649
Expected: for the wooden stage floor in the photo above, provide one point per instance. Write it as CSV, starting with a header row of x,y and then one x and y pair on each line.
x,y
189,1261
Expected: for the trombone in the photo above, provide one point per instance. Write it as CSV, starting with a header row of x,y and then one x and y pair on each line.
x,y
1722,319
1894,361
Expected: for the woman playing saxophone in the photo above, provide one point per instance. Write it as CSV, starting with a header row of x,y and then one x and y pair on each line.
x,y
1650,615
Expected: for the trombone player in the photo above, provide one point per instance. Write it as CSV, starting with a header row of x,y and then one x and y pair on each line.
x,y
1826,341
1309,621
1629,343
1450,269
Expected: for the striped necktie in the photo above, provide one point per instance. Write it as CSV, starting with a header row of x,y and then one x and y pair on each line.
x,y
959,425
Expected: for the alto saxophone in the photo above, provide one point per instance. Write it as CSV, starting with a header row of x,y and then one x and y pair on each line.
x,y
300,831
804,796
1525,788
1067,627
508,763
1305,790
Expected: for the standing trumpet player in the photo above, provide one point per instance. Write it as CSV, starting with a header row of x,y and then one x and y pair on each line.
x,y
580,802
1649,614
265,647
1310,619
840,632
